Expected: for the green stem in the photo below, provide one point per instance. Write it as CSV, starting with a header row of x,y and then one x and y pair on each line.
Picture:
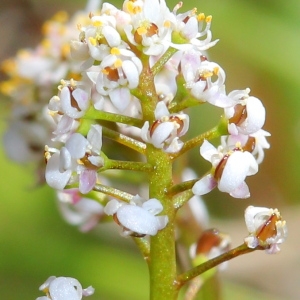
x,y
124,140
128,165
182,187
110,191
183,198
162,61
162,258
144,247
240,250
95,114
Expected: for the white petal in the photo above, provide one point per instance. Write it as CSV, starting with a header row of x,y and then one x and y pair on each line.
x,y
54,177
153,206
131,73
76,145
112,36
138,220
87,180
88,291
95,138
234,173
256,115
161,133
144,132
207,150
120,97
65,288
67,108
250,213
204,185
161,110
82,98
242,191
112,206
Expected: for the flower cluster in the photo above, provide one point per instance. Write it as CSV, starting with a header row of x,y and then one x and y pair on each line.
x,y
32,76
125,87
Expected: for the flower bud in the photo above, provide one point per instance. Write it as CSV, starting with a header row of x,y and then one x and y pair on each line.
x,y
266,228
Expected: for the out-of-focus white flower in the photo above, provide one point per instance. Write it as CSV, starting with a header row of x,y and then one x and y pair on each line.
x,y
247,116
138,218
79,211
64,288
210,244
166,130
79,154
266,228
229,170
196,203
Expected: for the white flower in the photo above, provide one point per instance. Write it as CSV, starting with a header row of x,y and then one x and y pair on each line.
x,y
79,154
247,116
119,73
166,130
266,228
72,100
190,27
138,217
79,211
150,26
64,288
204,79
229,171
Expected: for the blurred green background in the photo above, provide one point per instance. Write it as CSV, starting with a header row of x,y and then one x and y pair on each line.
x,y
258,48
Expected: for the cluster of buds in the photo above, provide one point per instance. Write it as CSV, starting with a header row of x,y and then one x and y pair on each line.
x,y
129,77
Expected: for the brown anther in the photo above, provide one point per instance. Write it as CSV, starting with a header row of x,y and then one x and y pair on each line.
x,y
185,20
210,238
73,101
250,144
161,97
268,230
112,74
178,121
240,114
154,126
150,31
87,163
82,37
220,167
115,218
36,148
203,58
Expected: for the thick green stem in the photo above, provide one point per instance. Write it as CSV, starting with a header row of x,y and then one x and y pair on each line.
x,y
162,257
162,265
